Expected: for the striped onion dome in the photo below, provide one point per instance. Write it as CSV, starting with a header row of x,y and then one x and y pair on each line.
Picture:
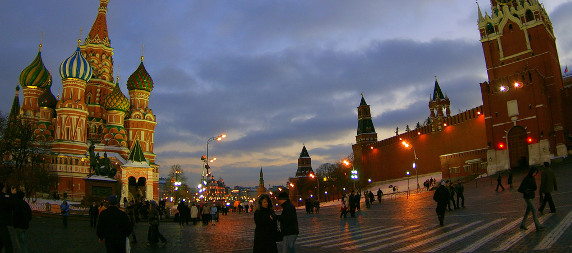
x,y
36,73
140,79
116,100
47,99
76,66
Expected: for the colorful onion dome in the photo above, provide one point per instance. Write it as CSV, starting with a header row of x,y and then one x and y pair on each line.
x,y
116,100
36,73
76,66
140,79
47,99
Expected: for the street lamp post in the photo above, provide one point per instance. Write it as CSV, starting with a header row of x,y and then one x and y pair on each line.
x,y
206,160
414,162
407,184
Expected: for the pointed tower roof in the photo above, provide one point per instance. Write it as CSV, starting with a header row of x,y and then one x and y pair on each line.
x,y
362,102
437,93
15,110
98,33
136,154
304,152
480,14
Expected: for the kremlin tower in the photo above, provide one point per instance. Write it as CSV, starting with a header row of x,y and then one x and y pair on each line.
x,y
92,111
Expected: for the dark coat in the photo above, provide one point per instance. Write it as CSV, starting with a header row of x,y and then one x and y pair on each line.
x,y
441,195
22,214
264,240
288,219
528,187
6,208
113,224
548,181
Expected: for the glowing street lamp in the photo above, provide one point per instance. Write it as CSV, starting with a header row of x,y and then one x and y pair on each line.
x,y
407,172
407,145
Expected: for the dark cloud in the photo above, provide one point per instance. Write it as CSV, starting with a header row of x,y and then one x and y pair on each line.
x,y
274,75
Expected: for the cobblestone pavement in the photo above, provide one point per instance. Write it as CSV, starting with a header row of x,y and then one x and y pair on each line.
x,y
490,222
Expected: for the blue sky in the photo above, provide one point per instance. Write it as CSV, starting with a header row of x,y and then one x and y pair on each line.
x,y
273,75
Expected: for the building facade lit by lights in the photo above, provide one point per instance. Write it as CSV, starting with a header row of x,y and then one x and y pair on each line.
x,y
92,109
524,117
302,186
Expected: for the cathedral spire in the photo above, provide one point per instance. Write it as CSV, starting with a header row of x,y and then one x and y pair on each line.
x,y
15,110
98,33
481,18
437,93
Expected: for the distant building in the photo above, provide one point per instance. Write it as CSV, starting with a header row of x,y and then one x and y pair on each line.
x,y
261,189
302,186
524,118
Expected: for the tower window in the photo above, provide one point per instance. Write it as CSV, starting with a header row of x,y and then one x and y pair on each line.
x,y
490,28
529,16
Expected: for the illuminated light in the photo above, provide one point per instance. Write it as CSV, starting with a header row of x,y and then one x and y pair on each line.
x,y
326,192
414,165
344,188
517,84
300,199
369,180
346,162
479,113
418,133
371,147
501,145
444,124
529,139
503,88
291,185
311,196
407,173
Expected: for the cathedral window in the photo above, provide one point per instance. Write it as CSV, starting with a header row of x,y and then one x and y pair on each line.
x,y
510,27
529,16
490,29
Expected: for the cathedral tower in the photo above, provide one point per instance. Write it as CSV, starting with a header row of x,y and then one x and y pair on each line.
x,y
521,100
71,110
261,189
34,79
140,123
98,52
304,164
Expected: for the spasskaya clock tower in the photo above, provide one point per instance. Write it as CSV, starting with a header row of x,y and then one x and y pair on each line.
x,y
522,98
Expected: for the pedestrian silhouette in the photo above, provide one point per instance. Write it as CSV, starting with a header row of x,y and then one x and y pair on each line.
x,y
499,183
547,185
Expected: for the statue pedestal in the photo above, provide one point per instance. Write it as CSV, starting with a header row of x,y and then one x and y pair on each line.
x,y
98,188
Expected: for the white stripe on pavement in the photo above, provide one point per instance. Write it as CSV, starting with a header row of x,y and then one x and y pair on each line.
x,y
433,238
348,240
463,236
377,241
411,238
324,236
504,246
555,234
493,235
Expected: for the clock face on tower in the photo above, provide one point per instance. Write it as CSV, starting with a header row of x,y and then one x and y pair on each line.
x,y
504,2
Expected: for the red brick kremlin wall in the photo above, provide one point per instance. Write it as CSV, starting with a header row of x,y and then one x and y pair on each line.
x,y
463,139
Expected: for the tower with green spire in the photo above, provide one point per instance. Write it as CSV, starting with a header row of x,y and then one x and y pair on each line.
x,y
366,131
439,105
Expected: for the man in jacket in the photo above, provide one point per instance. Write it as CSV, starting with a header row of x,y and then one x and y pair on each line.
x,y
22,217
547,185
441,196
114,227
6,207
288,222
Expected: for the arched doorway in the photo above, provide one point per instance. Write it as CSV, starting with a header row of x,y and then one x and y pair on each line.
x,y
517,146
141,187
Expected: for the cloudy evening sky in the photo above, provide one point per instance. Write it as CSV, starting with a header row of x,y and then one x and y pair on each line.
x,y
273,75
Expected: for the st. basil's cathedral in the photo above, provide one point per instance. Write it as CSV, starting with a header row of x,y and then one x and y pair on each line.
x,y
92,111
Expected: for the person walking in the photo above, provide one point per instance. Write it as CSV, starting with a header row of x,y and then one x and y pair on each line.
x,y
93,213
499,183
288,223
441,196
181,209
6,209
547,185
367,204
65,211
21,221
379,194
131,214
460,189
266,227
451,191
509,181
527,188
214,212
206,214
352,202
114,227
153,234
194,213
